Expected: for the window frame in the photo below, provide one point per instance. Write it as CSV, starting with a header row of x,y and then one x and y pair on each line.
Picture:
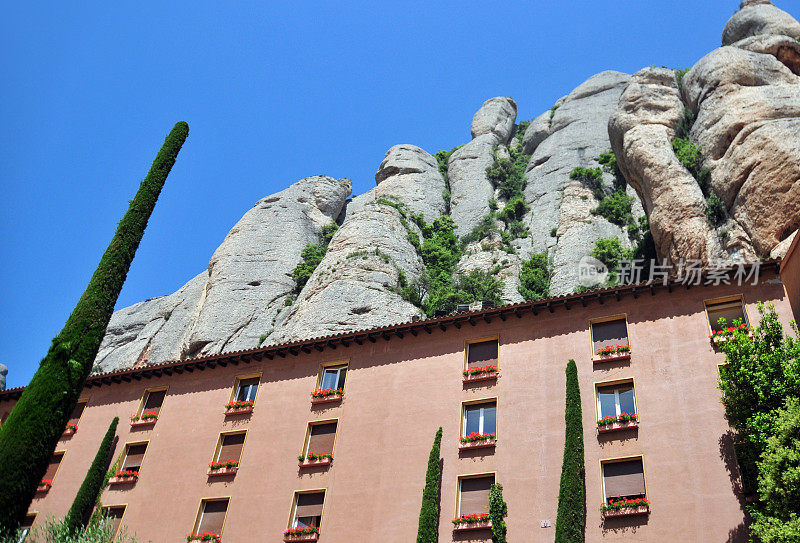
x,y
133,444
307,439
146,396
467,403
601,320
62,453
723,300
84,401
615,460
122,518
460,478
221,436
468,342
614,382
293,508
239,378
201,510
327,365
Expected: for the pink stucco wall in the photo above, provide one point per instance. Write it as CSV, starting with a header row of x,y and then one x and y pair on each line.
x,y
398,392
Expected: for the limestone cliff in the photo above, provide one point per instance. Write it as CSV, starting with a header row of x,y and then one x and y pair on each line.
x,y
514,193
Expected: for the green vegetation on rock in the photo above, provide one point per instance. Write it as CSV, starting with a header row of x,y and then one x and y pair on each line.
x,y
428,529
33,428
534,277
311,256
571,516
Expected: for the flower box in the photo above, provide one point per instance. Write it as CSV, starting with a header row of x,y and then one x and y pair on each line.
x,y
614,426
70,430
466,523
124,477
484,373
326,395
318,461
301,533
612,353
44,485
723,336
222,468
240,407
205,536
145,419
476,441
626,511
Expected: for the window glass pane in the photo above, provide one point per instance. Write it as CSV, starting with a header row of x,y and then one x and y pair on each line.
x,y
342,373
330,378
489,422
247,390
472,415
607,403
307,521
626,399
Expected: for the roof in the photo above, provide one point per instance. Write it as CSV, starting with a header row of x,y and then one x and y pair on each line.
x,y
332,341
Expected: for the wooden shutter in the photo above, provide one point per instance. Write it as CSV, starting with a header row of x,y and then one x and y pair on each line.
x,y
213,516
52,467
133,458
482,354
154,401
609,333
309,505
624,478
730,311
475,495
114,514
77,412
231,448
321,438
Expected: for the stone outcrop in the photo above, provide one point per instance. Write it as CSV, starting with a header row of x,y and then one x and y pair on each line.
x,y
536,133
3,374
496,117
353,287
759,17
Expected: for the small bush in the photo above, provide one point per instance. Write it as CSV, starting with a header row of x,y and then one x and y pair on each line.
x,y
715,210
534,277
476,286
616,208
592,178
311,257
610,252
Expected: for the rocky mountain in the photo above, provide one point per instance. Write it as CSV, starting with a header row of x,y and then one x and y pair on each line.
x,y
671,164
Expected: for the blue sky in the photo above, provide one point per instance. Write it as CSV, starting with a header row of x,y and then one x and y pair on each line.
x,y
273,92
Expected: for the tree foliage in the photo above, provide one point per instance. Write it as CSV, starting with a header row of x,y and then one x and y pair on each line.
x,y
571,517
498,509
534,277
428,530
760,386
311,256
34,426
90,489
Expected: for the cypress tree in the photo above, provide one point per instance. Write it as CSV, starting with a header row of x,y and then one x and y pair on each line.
x,y
428,530
33,428
92,484
497,512
571,518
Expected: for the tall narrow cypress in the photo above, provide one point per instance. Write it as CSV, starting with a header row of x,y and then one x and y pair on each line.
x,y
32,430
571,518
87,495
428,530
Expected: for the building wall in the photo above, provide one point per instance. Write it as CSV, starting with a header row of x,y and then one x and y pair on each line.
x,y
790,275
398,392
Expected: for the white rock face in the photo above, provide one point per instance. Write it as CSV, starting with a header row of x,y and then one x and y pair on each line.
x,y
496,117
759,17
536,133
578,134
352,288
470,189
3,373
410,175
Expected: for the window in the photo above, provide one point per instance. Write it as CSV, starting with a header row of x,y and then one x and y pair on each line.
x,y
77,412
211,517
333,377
731,310
152,401
229,447
482,353
623,479
308,509
52,467
246,389
26,526
609,332
114,513
473,494
133,457
480,418
613,400
320,438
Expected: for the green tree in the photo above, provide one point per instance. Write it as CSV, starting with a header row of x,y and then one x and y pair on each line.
x,y
92,484
428,530
534,277
478,285
35,425
497,513
571,517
